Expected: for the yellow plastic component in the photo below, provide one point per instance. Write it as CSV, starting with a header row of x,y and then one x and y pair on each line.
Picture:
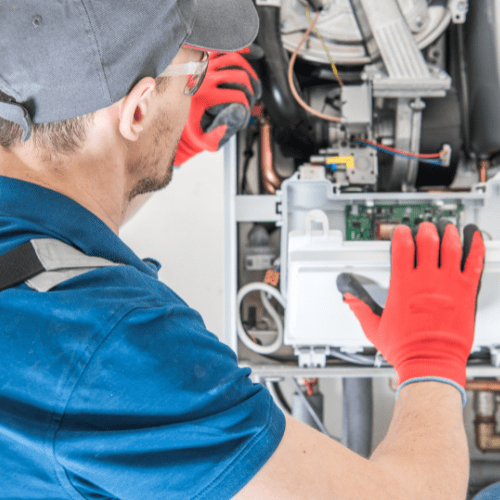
x,y
348,161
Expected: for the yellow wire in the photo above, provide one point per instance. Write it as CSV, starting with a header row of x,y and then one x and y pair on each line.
x,y
318,34
292,84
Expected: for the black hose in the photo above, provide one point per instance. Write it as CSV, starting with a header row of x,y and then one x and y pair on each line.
x,y
316,4
279,395
458,39
292,127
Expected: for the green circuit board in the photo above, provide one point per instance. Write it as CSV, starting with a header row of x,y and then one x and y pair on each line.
x,y
366,223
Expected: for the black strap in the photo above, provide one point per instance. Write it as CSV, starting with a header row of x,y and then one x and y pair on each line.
x,y
19,265
14,112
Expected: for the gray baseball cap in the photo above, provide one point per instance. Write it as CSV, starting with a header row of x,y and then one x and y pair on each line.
x,y
65,58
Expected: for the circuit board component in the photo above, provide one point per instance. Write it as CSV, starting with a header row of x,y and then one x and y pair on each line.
x,y
366,223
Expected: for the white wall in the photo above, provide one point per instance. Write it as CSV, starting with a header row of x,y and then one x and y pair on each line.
x,y
182,228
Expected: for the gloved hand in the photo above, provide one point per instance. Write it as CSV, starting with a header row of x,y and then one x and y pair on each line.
x,y
426,328
221,107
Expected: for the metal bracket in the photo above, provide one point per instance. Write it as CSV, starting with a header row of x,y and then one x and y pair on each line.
x,y
402,174
385,86
268,3
495,355
379,359
405,72
398,48
312,357
458,9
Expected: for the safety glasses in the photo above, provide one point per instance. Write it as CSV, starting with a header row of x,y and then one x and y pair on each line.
x,y
195,70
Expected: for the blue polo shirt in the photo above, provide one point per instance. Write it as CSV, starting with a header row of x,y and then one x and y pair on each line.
x,y
110,385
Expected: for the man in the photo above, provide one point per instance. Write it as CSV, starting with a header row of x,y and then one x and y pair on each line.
x,y
110,386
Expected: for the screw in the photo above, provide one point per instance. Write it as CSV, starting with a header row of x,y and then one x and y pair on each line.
x,y
461,6
435,53
37,20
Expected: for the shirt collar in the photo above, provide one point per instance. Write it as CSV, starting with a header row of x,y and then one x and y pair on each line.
x,y
28,210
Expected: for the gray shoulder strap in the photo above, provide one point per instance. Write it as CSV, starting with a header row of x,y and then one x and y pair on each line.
x,y
61,262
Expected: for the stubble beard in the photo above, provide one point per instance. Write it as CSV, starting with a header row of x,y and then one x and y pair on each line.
x,y
158,162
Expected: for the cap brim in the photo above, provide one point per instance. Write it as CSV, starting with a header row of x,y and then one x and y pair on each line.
x,y
224,26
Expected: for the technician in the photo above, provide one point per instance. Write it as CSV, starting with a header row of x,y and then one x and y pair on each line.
x,y
110,385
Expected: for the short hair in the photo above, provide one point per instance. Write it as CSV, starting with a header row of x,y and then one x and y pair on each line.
x,y
62,137
56,138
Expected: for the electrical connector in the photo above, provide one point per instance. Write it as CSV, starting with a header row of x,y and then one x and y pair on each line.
x,y
334,161
272,277
445,156
316,4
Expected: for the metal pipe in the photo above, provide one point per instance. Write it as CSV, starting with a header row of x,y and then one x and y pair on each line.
x,y
487,438
357,415
270,179
485,423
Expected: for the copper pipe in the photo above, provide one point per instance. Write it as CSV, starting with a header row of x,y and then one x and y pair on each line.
x,y
486,437
483,385
485,407
270,179
484,165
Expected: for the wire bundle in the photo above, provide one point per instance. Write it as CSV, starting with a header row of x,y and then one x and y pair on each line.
x,y
433,159
424,158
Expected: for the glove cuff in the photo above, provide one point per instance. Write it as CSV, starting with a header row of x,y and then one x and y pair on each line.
x,y
436,379
427,365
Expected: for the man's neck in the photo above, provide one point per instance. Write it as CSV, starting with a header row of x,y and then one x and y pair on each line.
x,y
97,183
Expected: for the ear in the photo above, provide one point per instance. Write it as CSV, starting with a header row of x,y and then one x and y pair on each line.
x,y
134,109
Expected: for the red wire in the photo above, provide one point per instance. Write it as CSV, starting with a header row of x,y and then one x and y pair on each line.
x,y
416,155
309,387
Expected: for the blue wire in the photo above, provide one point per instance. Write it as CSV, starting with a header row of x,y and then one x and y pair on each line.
x,y
423,160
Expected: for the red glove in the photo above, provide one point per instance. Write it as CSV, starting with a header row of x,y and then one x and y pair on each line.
x,y
221,107
426,328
